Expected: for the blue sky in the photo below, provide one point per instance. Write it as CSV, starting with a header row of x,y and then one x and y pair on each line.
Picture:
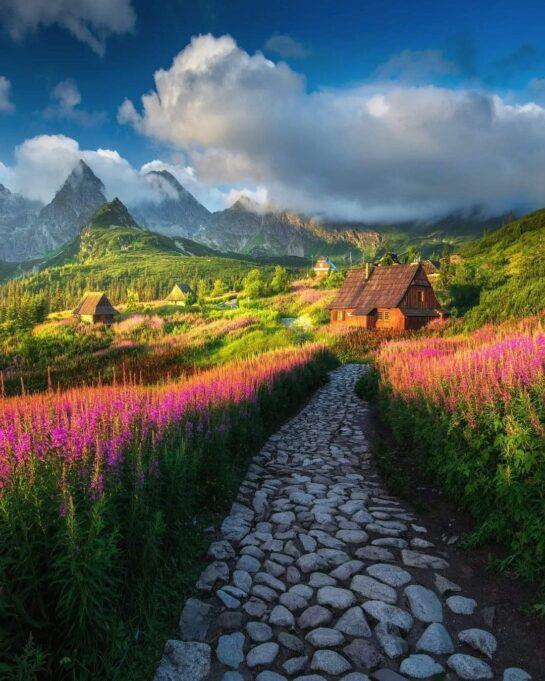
x,y
61,80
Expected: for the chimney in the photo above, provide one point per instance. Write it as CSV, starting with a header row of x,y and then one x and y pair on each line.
x,y
368,270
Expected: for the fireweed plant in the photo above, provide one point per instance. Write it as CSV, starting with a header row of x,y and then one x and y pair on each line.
x,y
101,488
472,407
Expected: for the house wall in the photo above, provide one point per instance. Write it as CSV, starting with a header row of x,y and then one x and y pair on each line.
x,y
420,296
103,319
389,318
346,318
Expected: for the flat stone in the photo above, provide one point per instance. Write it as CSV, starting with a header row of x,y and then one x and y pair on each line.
x,y
314,616
310,562
285,518
390,641
270,676
254,607
232,676
234,527
229,649
420,667
353,623
333,557
479,639
318,579
516,674
374,553
281,617
330,662
390,614
184,661
363,653
248,563
310,677
461,605
347,570
337,598
435,639
242,580
308,542
423,560
389,574
262,655
291,642
469,667
424,604
218,571
270,581
355,676
221,550
302,590
373,589
352,536
295,665
444,585
259,632
293,601
394,542
273,568
324,637
227,599
292,575
387,675
195,620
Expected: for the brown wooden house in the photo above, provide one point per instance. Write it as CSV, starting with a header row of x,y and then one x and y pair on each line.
x,y
386,297
95,308
323,266
180,293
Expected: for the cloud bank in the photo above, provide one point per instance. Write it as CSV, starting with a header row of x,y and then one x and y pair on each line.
x,y
90,21
379,150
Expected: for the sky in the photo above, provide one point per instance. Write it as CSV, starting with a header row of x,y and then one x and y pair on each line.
x,y
364,110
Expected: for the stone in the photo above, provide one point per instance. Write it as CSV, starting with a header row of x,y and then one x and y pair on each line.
x,y
435,639
242,580
337,598
324,637
291,642
387,675
227,599
254,607
355,676
234,527
229,649
461,605
232,676
374,553
347,570
270,676
390,641
390,614
313,617
308,542
469,668
318,579
363,653
259,632
248,563
262,655
274,569
295,665
420,667
310,677
353,536
302,590
333,557
330,662
423,560
310,562
373,589
353,623
221,550
293,601
264,592
479,639
184,661
292,575
284,518
218,571
270,581
444,585
516,674
195,620
281,617
389,574
424,604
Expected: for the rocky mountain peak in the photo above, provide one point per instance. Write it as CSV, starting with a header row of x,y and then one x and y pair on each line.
x,y
113,214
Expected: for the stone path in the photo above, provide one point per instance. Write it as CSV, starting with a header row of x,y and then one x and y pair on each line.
x,y
318,574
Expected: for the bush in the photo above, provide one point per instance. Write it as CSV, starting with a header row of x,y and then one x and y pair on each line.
x,y
367,386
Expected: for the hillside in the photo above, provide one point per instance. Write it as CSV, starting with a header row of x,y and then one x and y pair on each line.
x,y
502,275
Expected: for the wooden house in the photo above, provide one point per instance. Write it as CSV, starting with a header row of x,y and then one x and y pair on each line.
x,y
323,266
180,293
95,308
386,297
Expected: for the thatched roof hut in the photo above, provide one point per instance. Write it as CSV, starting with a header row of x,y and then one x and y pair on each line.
x,y
95,308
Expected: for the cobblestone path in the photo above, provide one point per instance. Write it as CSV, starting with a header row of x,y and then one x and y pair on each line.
x,y
318,574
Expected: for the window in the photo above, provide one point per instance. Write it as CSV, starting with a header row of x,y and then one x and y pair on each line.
x,y
384,314
420,296
340,315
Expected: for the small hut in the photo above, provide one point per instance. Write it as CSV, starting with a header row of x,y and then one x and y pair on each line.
x,y
95,308
180,293
323,266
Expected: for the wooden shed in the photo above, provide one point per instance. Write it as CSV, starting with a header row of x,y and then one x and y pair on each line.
x,y
95,308
180,293
323,266
386,297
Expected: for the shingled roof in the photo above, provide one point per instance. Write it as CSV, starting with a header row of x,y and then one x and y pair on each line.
x,y
95,303
350,291
179,292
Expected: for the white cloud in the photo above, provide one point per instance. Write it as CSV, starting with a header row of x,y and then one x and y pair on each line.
x,y
66,99
371,151
286,47
90,21
6,105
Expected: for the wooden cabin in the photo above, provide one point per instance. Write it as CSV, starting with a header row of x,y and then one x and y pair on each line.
x,y
398,297
180,293
323,266
95,308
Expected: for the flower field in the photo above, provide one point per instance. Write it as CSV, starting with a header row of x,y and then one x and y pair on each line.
x,y
473,408
100,490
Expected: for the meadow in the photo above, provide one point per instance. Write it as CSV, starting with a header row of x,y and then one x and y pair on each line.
x,y
471,406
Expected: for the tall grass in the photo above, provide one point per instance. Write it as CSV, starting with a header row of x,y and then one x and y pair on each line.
x,y
101,490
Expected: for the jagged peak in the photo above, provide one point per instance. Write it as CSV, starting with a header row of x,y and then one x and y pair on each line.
x,y
113,214
82,174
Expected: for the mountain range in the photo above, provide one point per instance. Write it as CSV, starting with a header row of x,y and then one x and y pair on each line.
x,y
30,231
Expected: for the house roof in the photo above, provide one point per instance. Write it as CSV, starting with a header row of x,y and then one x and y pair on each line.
x,y
95,303
179,291
328,261
350,290
385,287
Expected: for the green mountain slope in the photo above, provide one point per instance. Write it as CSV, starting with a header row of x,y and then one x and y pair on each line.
x,y
502,275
